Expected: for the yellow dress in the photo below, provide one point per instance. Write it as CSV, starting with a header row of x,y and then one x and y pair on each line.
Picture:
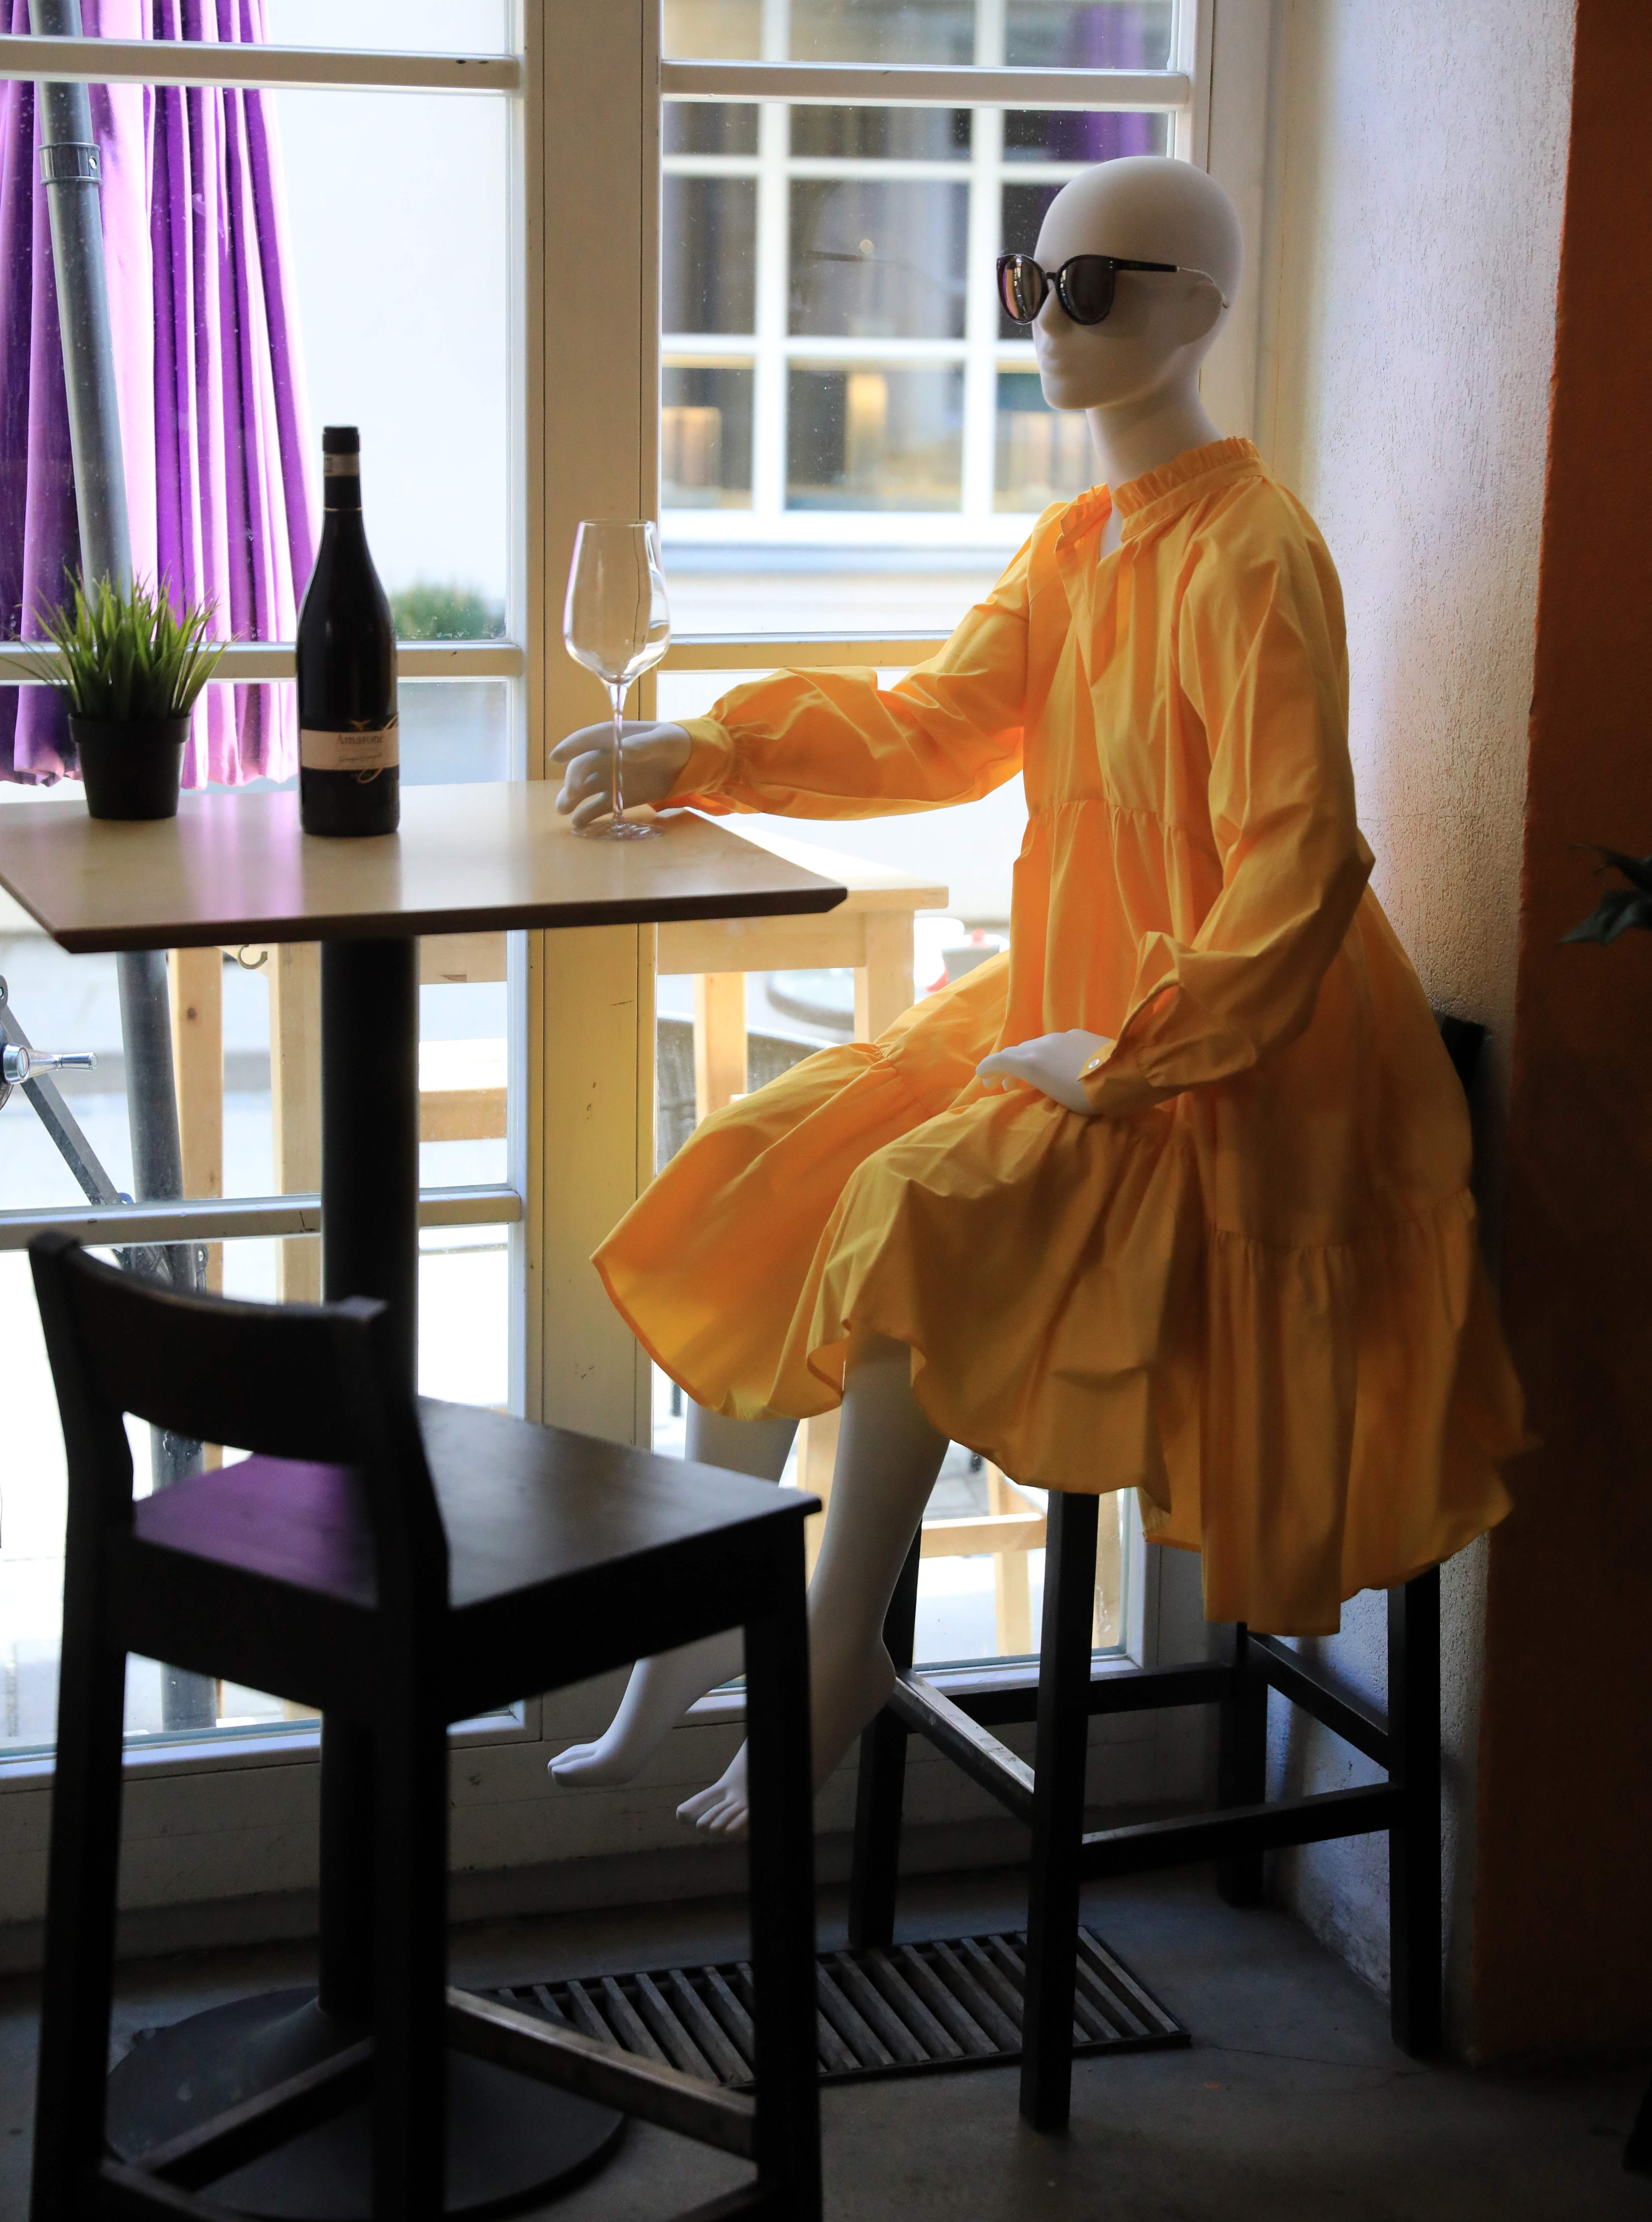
x,y
1251,1288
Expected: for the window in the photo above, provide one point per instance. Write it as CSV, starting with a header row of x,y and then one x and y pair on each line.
x,y
341,245
853,442
852,436
438,157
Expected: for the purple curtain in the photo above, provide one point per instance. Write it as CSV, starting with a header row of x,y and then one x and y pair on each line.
x,y
1112,37
214,421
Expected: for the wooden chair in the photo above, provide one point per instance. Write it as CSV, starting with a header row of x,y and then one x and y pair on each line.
x,y
403,1566
1049,1796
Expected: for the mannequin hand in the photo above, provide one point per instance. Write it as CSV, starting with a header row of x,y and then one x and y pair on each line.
x,y
652,757
1049,1063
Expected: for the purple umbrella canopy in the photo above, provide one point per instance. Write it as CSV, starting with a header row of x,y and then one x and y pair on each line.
x,y
220,489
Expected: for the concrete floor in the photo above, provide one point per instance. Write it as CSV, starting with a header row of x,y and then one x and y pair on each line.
x,y
1292,2105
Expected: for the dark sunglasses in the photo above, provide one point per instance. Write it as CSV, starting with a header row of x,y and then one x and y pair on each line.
x,y
1085,285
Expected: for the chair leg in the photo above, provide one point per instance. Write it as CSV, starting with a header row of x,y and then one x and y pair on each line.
x,y
82,1879
782,1872
1638,2152
1414,1880
409,2106
881,1783
1242,1766
1058,1810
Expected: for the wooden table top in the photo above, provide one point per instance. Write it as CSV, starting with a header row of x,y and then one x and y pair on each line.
x,y
234,868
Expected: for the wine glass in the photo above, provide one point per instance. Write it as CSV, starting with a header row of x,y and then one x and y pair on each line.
x,y
615,621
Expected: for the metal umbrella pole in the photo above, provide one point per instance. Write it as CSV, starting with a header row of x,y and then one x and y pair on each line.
x,y
69,173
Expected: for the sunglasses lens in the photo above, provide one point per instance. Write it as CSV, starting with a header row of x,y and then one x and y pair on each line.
x,y
1088,288
1021,287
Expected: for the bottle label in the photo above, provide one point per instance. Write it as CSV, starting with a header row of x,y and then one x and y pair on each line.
x,y
365,753
341,467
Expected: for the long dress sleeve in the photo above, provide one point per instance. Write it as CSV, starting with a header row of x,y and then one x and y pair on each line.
x,y
1263,667
832,743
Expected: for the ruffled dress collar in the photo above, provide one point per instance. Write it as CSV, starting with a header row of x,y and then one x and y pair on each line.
x,y
1157,496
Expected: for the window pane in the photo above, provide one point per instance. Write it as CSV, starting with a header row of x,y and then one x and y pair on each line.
x,y
1022,211
873,438
422,367
454,731
459,27
709,245
872,258
1042,454
464,1306
710,127
1088,34
1064,134
827,30
909,134
705,436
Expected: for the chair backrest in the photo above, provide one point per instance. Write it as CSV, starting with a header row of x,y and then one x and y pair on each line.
x,y
309,1382
1464,1039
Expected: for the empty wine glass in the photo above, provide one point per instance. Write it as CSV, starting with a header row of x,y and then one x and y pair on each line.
x,y
615,621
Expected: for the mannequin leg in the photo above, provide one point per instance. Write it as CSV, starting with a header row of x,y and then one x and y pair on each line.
x,y
888,1456
660,1690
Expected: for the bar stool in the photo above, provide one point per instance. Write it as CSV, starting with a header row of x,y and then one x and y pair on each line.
x,y
404,1565
1048,1797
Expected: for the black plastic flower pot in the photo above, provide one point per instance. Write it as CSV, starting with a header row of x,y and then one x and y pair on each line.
x,y
131,770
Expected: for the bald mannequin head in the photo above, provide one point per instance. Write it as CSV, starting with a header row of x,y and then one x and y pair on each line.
x,y
1144,208
1136,373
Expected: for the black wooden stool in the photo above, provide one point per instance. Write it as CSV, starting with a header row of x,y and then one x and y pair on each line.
x,y
404,1567
1049,1795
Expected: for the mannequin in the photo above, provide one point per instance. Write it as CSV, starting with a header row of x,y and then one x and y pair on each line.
x,y
1136,374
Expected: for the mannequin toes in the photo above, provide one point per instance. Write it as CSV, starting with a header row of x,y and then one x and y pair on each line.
x,y
720,1810
588,1766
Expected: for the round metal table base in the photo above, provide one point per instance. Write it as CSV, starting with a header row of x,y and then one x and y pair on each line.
x,y
512,2142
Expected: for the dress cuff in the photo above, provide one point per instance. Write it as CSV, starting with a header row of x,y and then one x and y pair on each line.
x,y
710,760
1117,1088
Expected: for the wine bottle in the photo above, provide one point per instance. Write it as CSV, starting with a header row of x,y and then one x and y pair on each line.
x,y
349,779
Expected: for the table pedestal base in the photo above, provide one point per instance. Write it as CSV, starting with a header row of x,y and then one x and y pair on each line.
x,y
510,2141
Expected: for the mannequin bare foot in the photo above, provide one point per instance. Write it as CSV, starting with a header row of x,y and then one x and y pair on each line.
x,y
888,1455
660,1690
842,1699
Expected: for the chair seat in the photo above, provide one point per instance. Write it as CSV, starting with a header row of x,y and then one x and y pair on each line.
x,y
523,1505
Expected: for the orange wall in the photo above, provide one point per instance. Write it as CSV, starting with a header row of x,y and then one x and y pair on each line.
x,y
1563,1920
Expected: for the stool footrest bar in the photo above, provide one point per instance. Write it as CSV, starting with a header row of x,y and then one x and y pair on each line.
x,y
245,2133
1315,1820
645,2087
115,2192
1127,1690
1292,1676
923,1708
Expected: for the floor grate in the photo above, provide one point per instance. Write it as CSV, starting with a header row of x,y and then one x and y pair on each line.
x,y
951,2003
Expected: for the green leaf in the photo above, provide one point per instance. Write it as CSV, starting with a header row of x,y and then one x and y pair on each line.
x,y
125,656
1618,909
1637,871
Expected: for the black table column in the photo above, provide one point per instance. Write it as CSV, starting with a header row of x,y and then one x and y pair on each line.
x,y
370,1247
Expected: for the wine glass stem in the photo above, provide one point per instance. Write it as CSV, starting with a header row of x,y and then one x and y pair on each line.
x,y
618,694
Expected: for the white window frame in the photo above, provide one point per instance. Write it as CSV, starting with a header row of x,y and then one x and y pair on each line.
x,y
984,89
585,87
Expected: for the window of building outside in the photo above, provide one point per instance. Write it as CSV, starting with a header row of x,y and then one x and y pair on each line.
x,y
853,441
280,281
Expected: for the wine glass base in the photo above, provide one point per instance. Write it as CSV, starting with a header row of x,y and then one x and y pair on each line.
x,y
624,828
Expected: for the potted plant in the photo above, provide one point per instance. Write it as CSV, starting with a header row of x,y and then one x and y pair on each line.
x,y
1619,908
129,672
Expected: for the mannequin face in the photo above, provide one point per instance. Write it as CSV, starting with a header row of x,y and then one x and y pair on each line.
x,y
1146,209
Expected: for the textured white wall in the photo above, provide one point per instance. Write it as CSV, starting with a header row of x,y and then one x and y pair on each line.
x,y
1409,261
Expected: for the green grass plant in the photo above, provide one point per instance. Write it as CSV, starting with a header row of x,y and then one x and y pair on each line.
x,y
123,656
